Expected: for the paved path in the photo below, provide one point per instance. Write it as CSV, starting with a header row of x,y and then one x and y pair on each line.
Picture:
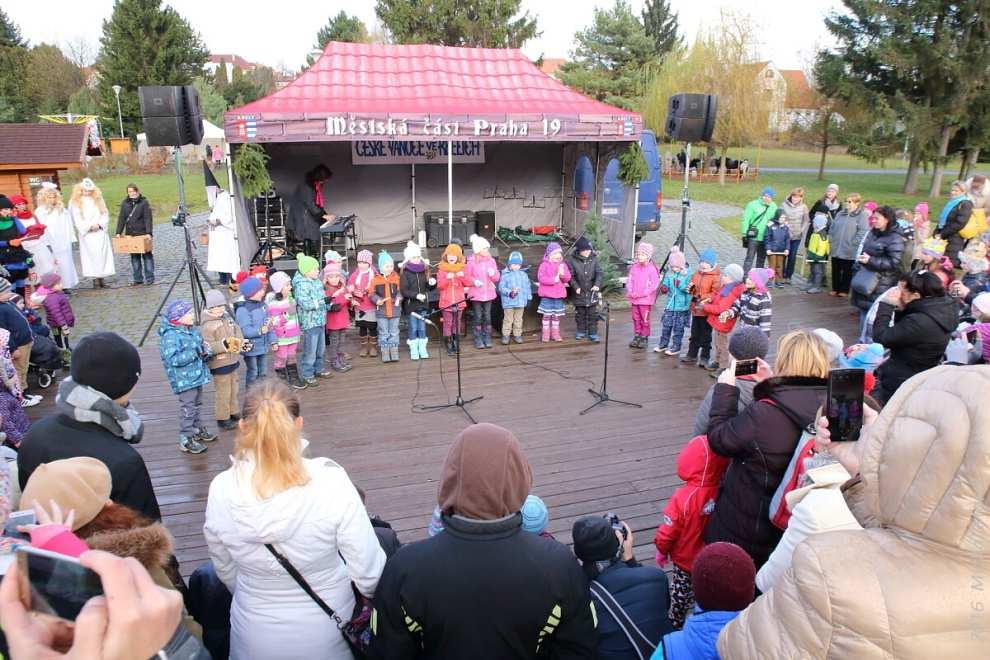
x,y
702,231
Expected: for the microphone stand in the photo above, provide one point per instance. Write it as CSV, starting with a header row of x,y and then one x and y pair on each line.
x,y
460,401
602,394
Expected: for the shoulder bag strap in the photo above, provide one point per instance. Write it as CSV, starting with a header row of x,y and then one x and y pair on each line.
x,y
641,644
301,581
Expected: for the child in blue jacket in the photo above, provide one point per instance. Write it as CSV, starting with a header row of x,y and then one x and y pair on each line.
x,y
778,243
184,355
252,317
675,317
516,291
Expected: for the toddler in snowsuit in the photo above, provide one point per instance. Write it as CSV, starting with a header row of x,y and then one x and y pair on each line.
x,y
642,284
184,355
283,319
225,341
586,282
552,278
675,286
705,282
481,275
719,310
679,536
338,318
387,297
516,291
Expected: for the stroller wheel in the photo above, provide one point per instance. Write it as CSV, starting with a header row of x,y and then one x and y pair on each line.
x,y
44,379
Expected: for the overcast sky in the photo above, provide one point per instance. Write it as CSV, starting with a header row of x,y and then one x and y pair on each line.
x,y
281,33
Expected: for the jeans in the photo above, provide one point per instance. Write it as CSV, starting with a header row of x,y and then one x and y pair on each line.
x,y
756,250
482,313
792,259
388,332
672,329
700,344
417,328
842,274
862,326
641,320
255,367
586,319
226,395
314,346
817,274
190,403
149,268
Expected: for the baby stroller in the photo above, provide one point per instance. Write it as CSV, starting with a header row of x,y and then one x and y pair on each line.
x,y
45,360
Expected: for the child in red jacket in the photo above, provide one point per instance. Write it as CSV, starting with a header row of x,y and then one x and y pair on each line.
x,y
678,538
720,316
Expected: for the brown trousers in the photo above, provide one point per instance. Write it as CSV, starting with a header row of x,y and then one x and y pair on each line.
x,y
512,321
777,262
226,386
21,364
722,349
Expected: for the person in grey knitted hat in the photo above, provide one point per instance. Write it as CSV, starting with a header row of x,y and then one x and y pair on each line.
x,y
748,342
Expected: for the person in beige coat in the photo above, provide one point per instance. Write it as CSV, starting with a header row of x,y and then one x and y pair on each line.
x,y
914,582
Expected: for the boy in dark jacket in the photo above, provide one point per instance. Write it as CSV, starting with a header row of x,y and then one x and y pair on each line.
x,y
184,354
252,317
586,282
777,240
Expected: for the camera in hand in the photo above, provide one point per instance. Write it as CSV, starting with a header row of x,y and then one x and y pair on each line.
x,y
617,525
845,404
746,367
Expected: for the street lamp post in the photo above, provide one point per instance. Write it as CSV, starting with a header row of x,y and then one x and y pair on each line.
x,y
120,120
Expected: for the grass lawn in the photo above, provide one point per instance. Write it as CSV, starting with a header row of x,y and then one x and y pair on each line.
x,y
161,190
769,157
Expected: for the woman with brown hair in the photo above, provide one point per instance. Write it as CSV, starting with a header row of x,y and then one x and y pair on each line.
x,y
272,500
798,221
845,234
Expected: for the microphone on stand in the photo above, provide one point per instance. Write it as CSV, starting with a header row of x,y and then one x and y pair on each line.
x,y
422,318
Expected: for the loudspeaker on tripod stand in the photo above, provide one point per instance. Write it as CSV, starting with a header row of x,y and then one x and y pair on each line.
x,y
171,115
691,117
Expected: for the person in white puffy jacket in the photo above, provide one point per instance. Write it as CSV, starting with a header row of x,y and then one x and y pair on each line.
x,y
308,510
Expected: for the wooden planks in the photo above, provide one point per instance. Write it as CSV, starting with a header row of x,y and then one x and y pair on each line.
x,y
615,458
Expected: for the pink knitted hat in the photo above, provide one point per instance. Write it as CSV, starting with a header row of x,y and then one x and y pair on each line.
x,y
365,256
676,259
760,277
922,208
645,248
332,268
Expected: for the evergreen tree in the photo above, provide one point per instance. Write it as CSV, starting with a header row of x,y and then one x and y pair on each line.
x,y
14,106
474,23
342,27
10,33
144,43
51,80
660,24
210,100
608,63
84,102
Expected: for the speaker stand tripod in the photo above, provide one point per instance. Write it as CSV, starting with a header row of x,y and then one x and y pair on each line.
x,y
602,394
683,237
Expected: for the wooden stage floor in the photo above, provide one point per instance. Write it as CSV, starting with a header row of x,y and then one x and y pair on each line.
x,y
615,458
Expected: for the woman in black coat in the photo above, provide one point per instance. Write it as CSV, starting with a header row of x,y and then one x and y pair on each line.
x,y
882,251
955,221
135,219
761,438
829,204
914,322
306,212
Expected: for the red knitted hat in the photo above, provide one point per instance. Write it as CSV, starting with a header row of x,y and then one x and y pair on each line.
x,y
723,578
241,276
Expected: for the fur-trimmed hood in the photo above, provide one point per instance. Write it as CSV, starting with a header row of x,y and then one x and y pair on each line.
x,y
125,533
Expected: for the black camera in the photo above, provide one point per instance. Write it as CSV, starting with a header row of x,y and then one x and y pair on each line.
x,y
617,525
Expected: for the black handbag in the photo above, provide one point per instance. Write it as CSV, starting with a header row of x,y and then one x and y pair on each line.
x,y
357,630
865,281
751,231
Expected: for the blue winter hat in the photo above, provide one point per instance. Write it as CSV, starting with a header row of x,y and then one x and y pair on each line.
x,y
768,191
535,515
250,286
384,258
177,309
709,256
867,359
515,258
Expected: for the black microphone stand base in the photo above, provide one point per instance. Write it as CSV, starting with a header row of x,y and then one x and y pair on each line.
x,y
602,394
603,397
459,402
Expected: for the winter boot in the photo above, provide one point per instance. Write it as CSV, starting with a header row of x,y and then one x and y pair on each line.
x,y
294,378
555,329
644,341
487,336
282,373
423,355
546,329
479,341
191,445
635,342
517,339
505,340
386,357
372,347
413,345
393,353
364,347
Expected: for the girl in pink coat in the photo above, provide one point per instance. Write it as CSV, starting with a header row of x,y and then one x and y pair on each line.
x,y
552,277
481,274
642,285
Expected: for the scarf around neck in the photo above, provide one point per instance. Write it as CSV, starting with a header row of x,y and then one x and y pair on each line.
x,y
84,404
949,206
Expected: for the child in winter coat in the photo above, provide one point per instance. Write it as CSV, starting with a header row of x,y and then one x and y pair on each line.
x,y
359,288
452,280
642,284
482,275
704,283
333,257
307,288
818,252
755,306
678,538
184,355
535,517
226,342
516,291
718,307
586,282
777,241
387,296
975,265
252,317
552,277
675,316
933,260
416,284
282,318
58,310
338,318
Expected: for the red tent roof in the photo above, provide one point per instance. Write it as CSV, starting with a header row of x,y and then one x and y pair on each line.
x,y
440,80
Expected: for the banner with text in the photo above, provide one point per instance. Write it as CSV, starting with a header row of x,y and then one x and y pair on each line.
x,y
420,152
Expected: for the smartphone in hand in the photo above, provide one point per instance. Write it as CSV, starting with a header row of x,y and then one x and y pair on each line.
x,y
746,367
15,520
844,405
55,584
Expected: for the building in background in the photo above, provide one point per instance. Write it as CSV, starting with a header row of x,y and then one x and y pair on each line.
x,y
31,154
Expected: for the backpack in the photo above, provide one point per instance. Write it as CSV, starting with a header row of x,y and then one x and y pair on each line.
x,y
642,646
976,225
778,512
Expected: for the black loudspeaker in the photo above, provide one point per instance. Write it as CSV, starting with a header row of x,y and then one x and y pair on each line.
x,y
486,224
287,265
691,117
171,114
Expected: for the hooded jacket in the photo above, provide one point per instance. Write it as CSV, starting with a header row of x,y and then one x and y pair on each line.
x,y
643,283
760,440
916,340
484,588
214,332
885,248
847,231
690,507
58,310
778,236
184,354
321,528
515,279
485,270
703,285
415,281
585,273
251,316
311,305
283,319
905,587
552,279
756,215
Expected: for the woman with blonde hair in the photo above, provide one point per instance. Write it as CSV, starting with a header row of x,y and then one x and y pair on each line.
x,y
272,500
51,212
91,218
760,439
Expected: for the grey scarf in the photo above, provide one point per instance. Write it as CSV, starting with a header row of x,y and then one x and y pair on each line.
x,y
84,404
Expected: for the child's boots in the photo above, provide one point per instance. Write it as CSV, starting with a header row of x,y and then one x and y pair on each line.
x,y
423,355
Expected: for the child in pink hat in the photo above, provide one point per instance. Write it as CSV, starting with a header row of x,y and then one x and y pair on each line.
x,y
755,305
358,286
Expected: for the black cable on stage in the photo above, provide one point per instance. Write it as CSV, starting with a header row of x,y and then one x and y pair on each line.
x,y
443,382
558,372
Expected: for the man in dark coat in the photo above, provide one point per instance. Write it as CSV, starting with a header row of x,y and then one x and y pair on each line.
x,y
95,419
586,283
306,212
135,219
642,592
483,588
